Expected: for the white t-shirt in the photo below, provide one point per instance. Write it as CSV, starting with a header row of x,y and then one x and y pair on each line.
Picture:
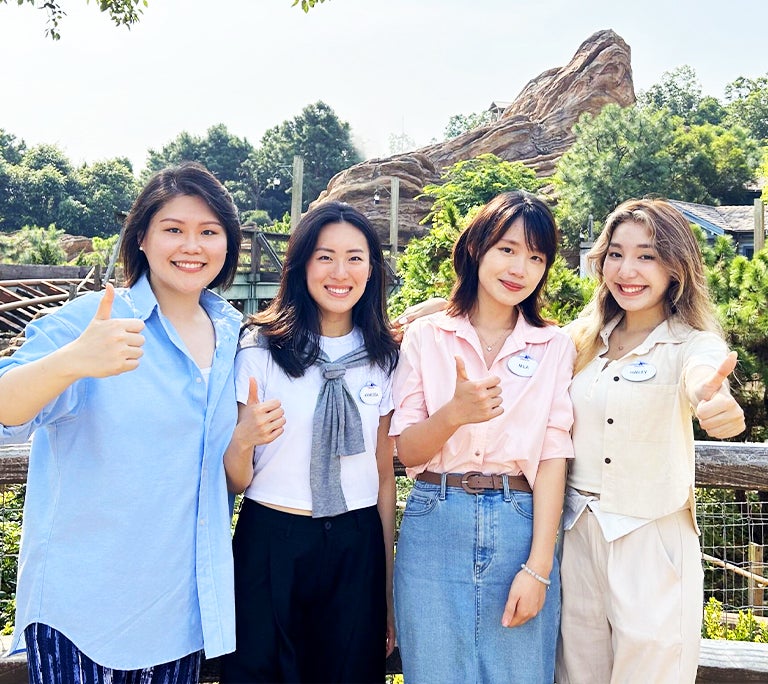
x,y
281,469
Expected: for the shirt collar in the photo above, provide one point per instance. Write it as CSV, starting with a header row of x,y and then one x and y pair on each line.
x,y
144,302
142,298
671,330
524,333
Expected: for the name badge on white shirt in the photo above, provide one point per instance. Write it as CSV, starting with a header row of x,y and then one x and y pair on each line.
x,y
523,365
638,372
370,394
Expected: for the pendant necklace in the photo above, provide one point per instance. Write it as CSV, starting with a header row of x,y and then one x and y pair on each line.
x,y
489,347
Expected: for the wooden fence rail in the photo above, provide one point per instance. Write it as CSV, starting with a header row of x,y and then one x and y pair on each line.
x,y
729,465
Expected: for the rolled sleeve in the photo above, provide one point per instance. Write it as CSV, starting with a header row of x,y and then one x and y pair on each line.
x,y
408,387
42,338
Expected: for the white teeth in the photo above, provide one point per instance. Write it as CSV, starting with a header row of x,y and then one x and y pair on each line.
x,y
631,289
188,264
338,290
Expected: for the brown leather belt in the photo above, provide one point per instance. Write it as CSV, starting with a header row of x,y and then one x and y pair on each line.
x,y
475,482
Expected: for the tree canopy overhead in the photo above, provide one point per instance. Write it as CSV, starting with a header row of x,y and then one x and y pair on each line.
x,y
121,12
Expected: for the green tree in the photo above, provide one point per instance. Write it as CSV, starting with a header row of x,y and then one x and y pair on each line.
x,y
107,188
636,151
748,105
321,138
101,255
229,157
38,188
121,12
33,245
425,265
10,150
712,164
618,154
473,182
462,123
306,5
679,93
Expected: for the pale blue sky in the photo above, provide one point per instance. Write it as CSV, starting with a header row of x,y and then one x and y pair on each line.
x,y
386,66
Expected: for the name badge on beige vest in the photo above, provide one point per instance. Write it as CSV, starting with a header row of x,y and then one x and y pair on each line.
x,y
638,372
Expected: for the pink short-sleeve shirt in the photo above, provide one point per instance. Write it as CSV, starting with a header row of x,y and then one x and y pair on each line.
x,y
535,366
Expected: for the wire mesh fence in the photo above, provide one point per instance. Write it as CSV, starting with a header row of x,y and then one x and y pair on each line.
x,y
734,528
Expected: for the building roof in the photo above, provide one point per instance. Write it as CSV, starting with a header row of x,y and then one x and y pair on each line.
x,y
719,220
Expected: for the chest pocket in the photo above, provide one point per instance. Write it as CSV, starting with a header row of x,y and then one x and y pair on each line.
x,y
652,411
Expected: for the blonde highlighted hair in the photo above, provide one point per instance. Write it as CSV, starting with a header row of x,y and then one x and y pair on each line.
x,y
678,251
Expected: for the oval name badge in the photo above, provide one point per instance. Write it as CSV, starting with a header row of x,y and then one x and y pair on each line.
x,y
370,394
638,372
523,365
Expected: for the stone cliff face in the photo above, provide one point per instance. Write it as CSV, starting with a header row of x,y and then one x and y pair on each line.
x,y
536,129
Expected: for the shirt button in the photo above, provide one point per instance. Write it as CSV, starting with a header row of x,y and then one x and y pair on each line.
x,y
327,525
607,460
610,421
615,378
202,522
477,453
198,380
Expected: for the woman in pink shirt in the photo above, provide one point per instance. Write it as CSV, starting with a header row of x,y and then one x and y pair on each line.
x,y
482,420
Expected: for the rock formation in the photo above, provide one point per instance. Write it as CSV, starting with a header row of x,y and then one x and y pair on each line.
x,y
74,245
535,129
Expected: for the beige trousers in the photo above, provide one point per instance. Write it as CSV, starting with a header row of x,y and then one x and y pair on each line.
x,y
632,608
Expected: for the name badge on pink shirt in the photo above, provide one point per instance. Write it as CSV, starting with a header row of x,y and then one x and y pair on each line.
x,y
523,365
638,372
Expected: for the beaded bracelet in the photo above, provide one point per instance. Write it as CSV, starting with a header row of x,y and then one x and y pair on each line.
x,y
536,575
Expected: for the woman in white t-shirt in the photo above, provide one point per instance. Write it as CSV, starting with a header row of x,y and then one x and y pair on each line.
x,y
314,539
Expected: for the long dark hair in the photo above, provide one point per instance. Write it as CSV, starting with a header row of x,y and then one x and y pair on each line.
x,y
291,323
194,180
485,230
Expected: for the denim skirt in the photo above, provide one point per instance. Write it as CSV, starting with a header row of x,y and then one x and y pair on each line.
x,y
457,555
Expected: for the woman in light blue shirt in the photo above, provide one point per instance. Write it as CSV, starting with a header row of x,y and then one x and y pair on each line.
x,y
125,568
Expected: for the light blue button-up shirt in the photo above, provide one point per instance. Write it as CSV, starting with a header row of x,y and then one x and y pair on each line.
x,y
126,536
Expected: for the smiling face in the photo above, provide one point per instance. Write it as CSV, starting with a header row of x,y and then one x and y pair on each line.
x,y
633,272
185,245
337,272
509,271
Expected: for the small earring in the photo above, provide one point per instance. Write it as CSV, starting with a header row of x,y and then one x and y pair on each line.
x,y
141,249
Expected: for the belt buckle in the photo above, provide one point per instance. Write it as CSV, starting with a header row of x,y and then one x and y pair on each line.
x,y
465,482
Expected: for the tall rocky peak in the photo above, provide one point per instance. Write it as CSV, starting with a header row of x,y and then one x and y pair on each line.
x,y
535,129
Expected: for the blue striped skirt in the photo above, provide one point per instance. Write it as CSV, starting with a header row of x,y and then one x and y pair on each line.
x,y
54,659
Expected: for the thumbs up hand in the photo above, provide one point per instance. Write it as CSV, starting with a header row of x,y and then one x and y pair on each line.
x,y
475,401
717,410
108,346
259,422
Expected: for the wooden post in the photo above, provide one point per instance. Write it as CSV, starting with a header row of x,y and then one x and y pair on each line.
x,y
759,225
756,591
255,257
394,210
296,190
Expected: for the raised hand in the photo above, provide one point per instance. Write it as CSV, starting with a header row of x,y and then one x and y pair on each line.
x,y
260,422
108,346
718,413
476,401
